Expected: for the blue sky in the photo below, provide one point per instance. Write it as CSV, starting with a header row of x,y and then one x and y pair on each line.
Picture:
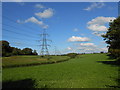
x,y
73,27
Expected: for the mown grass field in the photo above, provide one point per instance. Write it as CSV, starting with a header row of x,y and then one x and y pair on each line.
x,y
84,71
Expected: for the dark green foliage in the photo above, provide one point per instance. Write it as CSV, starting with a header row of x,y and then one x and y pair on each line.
x,y
101,52
27,51
72,55
35,53
7,50
16,51
22,84
112,38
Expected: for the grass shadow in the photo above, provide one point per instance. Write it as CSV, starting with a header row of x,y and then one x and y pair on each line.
x,y
117,86
26,84
110,56
113,63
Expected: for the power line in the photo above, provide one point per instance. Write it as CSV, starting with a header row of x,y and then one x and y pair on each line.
x,y
16,38
30,28
21,44
18,33
15,21
14,27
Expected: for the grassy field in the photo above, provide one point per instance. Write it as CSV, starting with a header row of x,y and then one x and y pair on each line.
x,y
84,71
14,61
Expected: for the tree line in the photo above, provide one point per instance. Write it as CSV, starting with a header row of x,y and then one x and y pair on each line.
x,y
112,38
7,50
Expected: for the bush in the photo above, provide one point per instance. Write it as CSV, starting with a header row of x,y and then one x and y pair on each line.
x,y
115,52
8,54
72,55
101,52
118,60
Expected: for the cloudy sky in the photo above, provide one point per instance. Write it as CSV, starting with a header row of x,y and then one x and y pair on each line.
x,y
72,27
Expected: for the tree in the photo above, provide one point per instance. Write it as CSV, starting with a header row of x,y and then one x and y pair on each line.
x,y
16,51
112,37
27,51
5,48
35,52
72,55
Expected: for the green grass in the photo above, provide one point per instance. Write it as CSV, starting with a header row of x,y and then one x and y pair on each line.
x,y
29,60
82,72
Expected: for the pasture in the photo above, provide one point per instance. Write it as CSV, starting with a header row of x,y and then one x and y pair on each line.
x,y
16,61
84,71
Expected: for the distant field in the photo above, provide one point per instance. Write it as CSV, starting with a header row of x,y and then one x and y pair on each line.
x,y
85,71
30,60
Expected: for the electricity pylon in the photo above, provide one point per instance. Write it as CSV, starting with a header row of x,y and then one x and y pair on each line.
x,y
57,52
44,45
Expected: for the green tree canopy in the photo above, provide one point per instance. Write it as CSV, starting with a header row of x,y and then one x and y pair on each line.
x,y
35,52
112,37
27,51
7,50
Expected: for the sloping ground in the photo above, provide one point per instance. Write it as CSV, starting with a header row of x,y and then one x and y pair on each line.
x,y
82,72
20,61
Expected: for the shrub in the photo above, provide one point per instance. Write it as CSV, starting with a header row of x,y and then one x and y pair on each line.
x,y
72,55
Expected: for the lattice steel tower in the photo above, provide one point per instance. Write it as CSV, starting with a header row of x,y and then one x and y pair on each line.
x,y
44,45
57,52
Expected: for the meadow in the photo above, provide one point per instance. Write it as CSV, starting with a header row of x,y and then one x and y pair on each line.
x,y
84,71
29,60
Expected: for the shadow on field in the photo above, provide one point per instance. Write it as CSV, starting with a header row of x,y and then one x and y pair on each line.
x,y
118,86
26,84
113,63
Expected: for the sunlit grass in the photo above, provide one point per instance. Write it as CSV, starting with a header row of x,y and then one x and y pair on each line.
x,y
82,72
26,60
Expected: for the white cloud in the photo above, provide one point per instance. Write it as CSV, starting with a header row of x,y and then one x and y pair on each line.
x,y
78,39
96,27
87,44
69,48
95,5
89,48
34,20
18,21
75,29
101,20
45,14
98,33
39,6
104,49
98,24
85,48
